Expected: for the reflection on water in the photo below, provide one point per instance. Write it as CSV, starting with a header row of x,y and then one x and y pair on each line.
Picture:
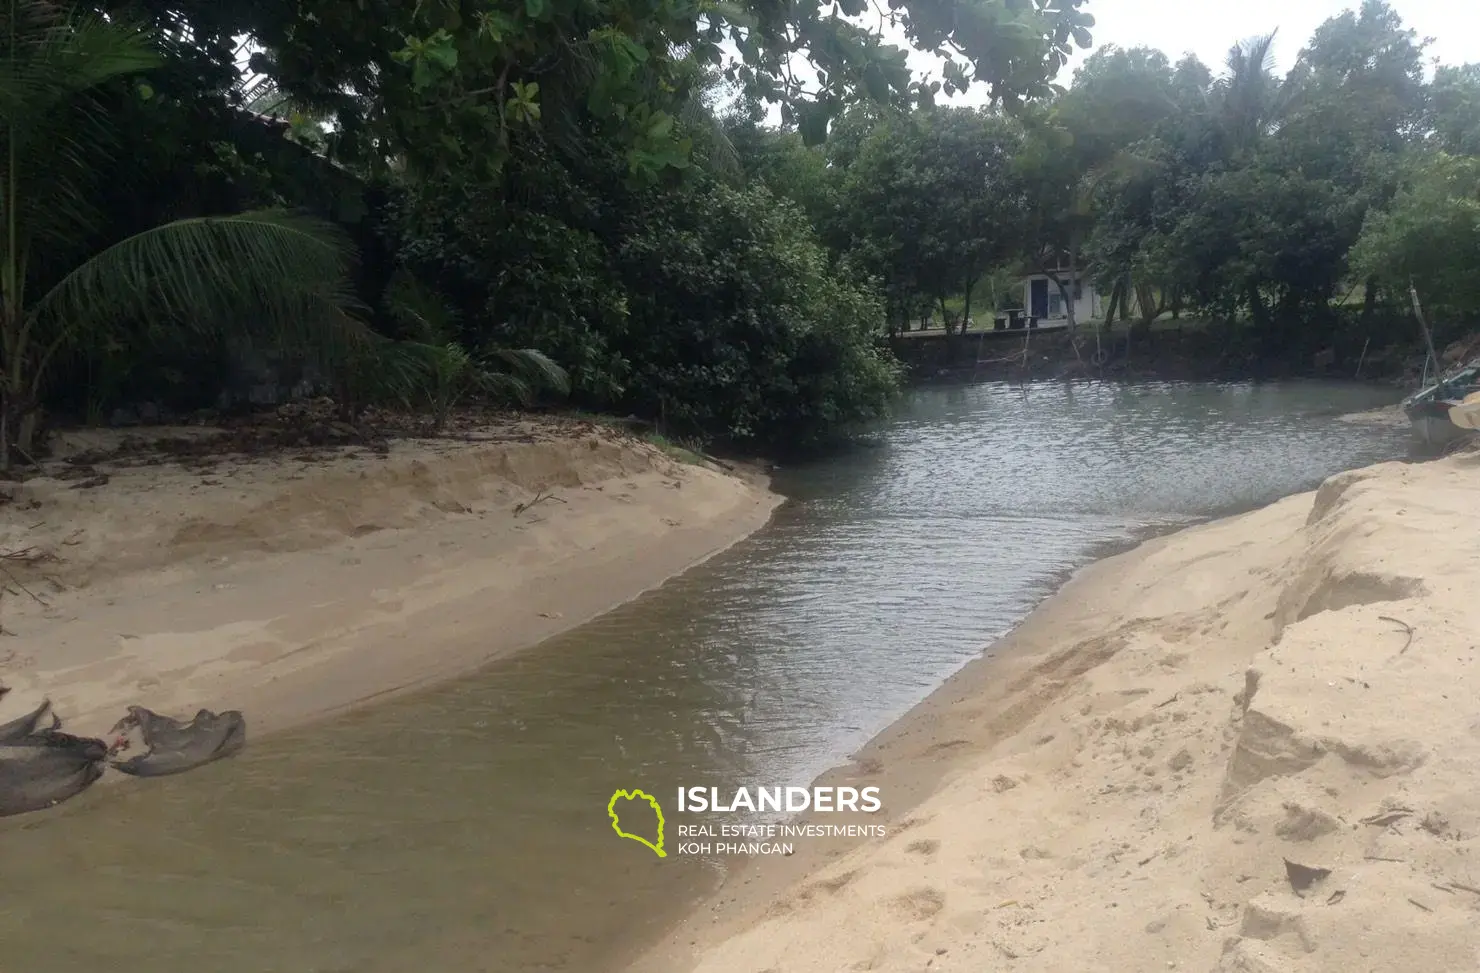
x,y
465,829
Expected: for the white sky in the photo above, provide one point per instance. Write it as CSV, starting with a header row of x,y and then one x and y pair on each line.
x,y
1208,28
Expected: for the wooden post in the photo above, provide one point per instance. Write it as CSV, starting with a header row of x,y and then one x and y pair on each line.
x,y
1427,336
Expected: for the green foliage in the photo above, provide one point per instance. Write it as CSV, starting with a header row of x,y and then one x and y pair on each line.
x,y
1454,108
273,275
932,202
432,369
747,335
712,309
526,269
1430,236
568,209
1252,234
463,83
1247,197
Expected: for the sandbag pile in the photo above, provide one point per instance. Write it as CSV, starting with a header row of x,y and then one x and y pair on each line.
x,y
40,766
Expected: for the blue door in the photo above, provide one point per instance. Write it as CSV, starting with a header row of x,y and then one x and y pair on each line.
x,y
1038,302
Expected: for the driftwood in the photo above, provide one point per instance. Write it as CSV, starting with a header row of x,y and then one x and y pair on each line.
x,y
175,747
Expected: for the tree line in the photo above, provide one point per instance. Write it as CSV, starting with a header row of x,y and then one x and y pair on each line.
x,y
420,204
423,204
1294,207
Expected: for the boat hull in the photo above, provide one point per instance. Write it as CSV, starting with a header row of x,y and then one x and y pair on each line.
x,y
1428,411
1436,431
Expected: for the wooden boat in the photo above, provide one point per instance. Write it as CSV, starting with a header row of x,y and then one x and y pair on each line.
x,y
1428,409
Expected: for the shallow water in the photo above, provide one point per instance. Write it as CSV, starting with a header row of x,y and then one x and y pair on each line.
x,y
465,828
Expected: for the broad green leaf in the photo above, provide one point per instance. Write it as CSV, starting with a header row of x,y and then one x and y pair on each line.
x,y
444,52
660,127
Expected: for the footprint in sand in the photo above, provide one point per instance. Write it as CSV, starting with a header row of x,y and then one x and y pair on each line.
x,y
909,823
917,905
925,846
809,893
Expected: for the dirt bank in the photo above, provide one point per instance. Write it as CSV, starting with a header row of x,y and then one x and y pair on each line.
x,y
1121,786
298,583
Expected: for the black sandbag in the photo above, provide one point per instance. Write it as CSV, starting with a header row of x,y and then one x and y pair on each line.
x,y
29,724
46,768
175,747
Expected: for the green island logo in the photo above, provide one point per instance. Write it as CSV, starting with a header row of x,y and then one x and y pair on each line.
x,y
637,795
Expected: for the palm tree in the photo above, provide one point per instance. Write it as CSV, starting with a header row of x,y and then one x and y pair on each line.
x,y
1251,98
265,274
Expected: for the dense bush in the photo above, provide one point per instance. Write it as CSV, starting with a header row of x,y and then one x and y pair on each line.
x,y
710,309
738,326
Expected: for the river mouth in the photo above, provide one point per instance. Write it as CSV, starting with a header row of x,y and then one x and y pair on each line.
x,y
465,827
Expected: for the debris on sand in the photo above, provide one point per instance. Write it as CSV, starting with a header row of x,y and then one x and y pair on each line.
x,y
174,747
1302,877
40,766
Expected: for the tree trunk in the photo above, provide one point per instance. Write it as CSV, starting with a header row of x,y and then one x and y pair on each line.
x,y
1263,326
1072,305
29,422
1148,307
1369,301
4,429
20,417
1116,295
966,308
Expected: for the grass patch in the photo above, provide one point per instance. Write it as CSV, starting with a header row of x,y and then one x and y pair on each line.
x,y
675,449
684,450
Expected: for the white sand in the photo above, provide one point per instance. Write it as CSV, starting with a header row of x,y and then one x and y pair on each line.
x,y
1118,789
294,587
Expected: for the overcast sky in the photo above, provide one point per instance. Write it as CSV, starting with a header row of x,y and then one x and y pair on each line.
x,y
1208,28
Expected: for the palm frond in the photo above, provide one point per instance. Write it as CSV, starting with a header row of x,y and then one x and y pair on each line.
x,y
54,132
264,274
57,55
532,367
506,388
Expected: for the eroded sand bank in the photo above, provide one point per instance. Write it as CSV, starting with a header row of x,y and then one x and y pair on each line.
x,y
1120,787
294,586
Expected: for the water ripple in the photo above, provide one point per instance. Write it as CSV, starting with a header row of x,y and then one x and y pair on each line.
x,y
464,828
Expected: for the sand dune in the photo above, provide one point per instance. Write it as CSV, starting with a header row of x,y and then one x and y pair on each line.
x,y
1121,788
296,585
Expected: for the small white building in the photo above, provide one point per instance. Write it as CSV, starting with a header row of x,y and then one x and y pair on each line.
x,y
1043,300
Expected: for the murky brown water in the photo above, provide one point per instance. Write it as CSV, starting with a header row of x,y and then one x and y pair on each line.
x,y
465,829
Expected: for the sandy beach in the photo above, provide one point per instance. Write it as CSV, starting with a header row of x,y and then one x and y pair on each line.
x,y
298,583
1248,746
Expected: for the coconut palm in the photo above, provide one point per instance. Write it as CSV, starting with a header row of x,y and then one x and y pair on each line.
x,y
266,274
1252,99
